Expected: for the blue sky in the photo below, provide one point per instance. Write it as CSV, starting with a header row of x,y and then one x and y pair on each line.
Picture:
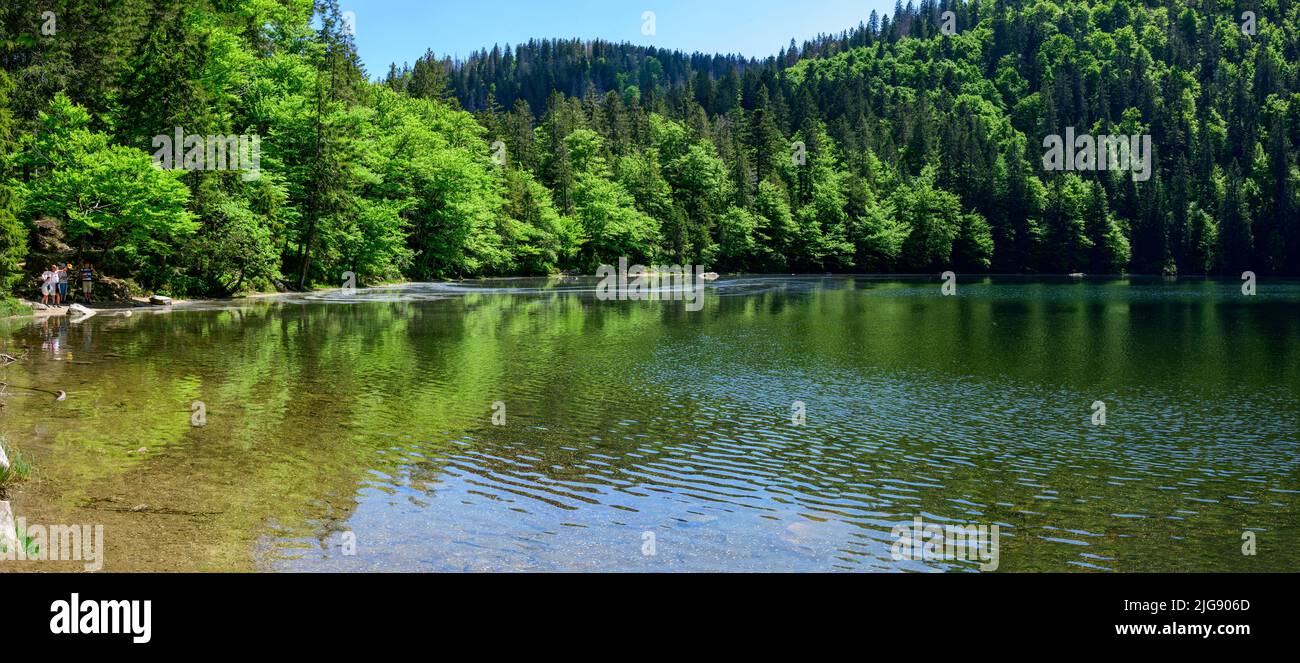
x,y
400,30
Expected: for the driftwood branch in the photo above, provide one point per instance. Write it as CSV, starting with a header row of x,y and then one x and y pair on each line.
x,y
58,395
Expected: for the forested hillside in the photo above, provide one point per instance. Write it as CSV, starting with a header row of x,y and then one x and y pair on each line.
x,y
896,146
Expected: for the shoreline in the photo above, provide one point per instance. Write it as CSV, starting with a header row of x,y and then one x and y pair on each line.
x,y
143,304
62,310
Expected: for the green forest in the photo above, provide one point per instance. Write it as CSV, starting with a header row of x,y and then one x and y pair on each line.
x,y
909,143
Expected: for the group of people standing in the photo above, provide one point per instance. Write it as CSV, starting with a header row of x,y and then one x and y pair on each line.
x,y
55,280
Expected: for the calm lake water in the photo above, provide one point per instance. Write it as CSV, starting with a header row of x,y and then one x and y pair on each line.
x,y
370,415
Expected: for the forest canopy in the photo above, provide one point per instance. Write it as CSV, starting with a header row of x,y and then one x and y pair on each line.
x,y
909,143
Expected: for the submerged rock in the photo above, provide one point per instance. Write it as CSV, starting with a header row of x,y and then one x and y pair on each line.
x,y
80,312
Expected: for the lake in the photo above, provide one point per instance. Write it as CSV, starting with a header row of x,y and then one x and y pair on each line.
x,y
789,425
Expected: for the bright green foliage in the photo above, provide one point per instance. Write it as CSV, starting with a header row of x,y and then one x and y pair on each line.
x,y
973,248
611,225
19,470
13,244
889,147
737,248
447,197
1068,243
116,207
777,232
1111,252
883,102
702,188
537,237
235,247
935,219
879,235
1203,240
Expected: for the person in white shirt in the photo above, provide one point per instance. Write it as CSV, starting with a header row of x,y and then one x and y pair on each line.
x,y
50,285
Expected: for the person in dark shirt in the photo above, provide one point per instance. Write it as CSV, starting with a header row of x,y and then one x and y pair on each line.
x,y
87,280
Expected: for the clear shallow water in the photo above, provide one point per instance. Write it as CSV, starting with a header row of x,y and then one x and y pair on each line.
x,y
370,413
